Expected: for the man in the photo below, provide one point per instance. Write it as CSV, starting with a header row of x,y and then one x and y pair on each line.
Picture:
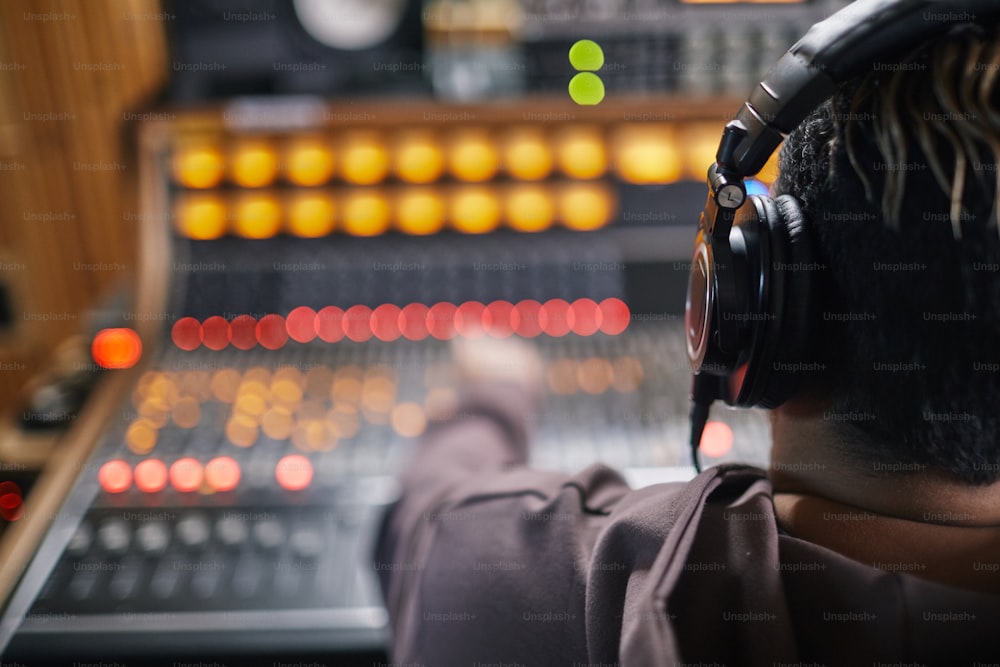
x,y
875,536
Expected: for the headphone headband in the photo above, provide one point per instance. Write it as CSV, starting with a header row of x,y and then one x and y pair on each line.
x,y
832,52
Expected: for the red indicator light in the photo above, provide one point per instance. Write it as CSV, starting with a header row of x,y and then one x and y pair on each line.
x,y
11,501
469,319
615,316
716,440
413,321
330,324
116,348
186,474
441,320
524,319
555,317
186,333
115,476
587,317
385,322
358,323
271,332
496,319
244,332
216,333
222,473
151,475
301,324
294,472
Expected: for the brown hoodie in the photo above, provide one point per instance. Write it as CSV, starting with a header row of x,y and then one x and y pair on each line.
x,y
486,563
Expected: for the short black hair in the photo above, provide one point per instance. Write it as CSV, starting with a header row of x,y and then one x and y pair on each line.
x,y
897,175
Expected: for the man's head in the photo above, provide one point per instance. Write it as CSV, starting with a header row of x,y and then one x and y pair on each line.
x,y
898,175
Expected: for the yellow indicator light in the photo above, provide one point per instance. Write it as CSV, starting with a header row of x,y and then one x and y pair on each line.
x,y
257,217
253,165
526,155
646,154
308,162
198,167
561,377
585,206
408,420
475,210
627,374
529,208
242,430
365,160
186,412
224,384
594,375
155,410
140,437
580,153
473,157
366,214
277,422
419,211
419,159
310,215
699,142
201,217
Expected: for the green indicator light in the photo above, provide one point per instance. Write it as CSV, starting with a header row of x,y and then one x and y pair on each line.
x,y
586,88
586,56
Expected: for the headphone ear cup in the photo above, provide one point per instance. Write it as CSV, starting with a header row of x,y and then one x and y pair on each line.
x,y
789,228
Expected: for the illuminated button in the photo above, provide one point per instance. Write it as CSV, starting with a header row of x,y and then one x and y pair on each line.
x,y
286,390
526,155
413,321
152,537
277,422
250,403
408,420
253,164
196,384
419,212
475,210
186,333
116,348
150,475
524,318
561,377
580,153
627,374
186,474
594,375
313,435
419,158
330,324
587,317
378,395
197,166
242,430
308,161
310,215
244,332
186,412
140,436
155,411
224,384
717,439
441,320
201,217
346,389
216,333
114,536
269,533
301,324
293,472
469,319
357,323
385,322
615,316
193,530
497,319
222,473
271,332
473,157
585,206
257,216
366,214
555,317
365,160
529,208
115,476
318,381
646,154
231,531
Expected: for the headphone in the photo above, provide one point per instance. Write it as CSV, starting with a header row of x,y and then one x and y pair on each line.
x,y
748,301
